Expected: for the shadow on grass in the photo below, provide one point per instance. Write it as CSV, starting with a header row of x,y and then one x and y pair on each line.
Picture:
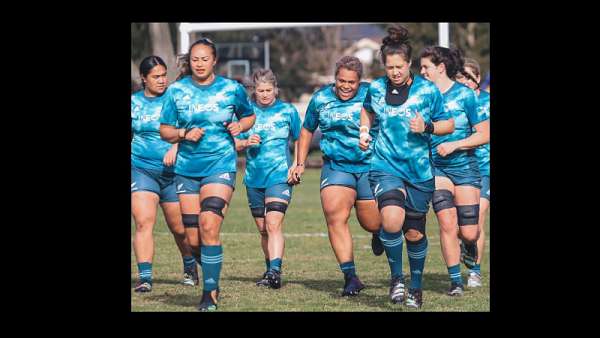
x,y
159,281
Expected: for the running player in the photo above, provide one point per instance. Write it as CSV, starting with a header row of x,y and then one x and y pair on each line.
x,y
335,108
268,166
152,177
409,109
198,113
457,177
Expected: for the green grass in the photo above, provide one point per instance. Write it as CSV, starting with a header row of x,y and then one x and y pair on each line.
x,y
312,279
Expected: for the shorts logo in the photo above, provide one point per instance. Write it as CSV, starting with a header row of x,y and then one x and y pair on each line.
x,y
325,180
179,188
375,191
132,186
225,176
210,281
488,192
286,192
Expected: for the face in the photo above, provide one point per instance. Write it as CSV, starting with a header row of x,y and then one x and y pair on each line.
x,y
346,84
265,93
468,81
429,70
202,61
156,80
397,69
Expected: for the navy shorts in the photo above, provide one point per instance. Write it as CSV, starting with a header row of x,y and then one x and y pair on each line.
x,y
418,195
257,196
160,182
358,182
485,187
192,185
465,175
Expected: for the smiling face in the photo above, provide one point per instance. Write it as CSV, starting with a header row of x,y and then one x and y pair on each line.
x,y
202,62
397,69
156,80
346,84
430,71
265,93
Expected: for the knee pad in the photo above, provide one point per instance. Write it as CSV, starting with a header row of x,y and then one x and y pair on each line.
x,y
392,197
258,212
214,204
468,214
414,220
277,206
442,199
190,220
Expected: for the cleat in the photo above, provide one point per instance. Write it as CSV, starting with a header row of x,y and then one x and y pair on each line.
x,y
263,281
274,279
414,298
456,290
376,245
397,290
191,277
143,287
352,286
209,301
474,280
468,254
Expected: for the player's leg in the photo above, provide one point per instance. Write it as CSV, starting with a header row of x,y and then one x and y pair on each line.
x,y
277,200
256,201
215,194
367,213
475,272
445,210
144,201
467,206
417,204
172,212
188,192
390,193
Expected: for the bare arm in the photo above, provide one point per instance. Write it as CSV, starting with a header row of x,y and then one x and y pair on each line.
x,y
366,120
171,134
443,127
301,146
479,137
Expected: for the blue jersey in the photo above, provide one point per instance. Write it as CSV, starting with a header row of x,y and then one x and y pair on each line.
x,y
147,148
483,151
397,150
461,102
340,127
267,163
188,104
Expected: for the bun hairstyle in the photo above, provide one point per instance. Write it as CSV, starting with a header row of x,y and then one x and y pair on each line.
x,y
183,60
396,43
452,58
147,64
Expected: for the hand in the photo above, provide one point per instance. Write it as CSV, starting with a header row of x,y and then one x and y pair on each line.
x,y
235,128
170,157
194,134
254,139
295,174
364,141
446,148
417,124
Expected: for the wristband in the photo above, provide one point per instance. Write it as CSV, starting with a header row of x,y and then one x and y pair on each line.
x,y
364,129
429,128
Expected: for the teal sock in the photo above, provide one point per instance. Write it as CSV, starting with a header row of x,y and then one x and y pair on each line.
x,y
417,252
212,260
189,263
348,269
392,243
454,272
476,269
145,272
196,254
268,264
275,264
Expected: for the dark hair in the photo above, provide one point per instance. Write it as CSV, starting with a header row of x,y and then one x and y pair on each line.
x,y
351,63
147,64
183,60
396,43
452,58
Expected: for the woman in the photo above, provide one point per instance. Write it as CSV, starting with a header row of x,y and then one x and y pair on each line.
x,y
471,78
268,164
198,113
335,109
457,177
409,109
152,177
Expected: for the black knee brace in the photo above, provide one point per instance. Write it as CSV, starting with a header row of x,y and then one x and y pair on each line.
x,y
190,220
214,204
277,206
468,214
392,197
258,212
442,199
414,220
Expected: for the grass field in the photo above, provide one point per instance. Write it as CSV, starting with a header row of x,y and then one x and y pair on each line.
x,y
312,280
